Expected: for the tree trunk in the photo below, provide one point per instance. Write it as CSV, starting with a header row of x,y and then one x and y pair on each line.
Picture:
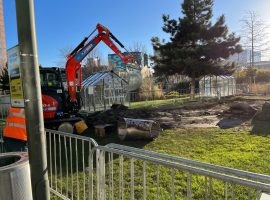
x,y
252,50
192,87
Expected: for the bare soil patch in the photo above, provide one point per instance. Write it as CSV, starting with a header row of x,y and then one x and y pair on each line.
x,y
227,114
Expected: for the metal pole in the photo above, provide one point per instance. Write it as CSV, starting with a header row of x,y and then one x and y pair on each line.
x,y
33,100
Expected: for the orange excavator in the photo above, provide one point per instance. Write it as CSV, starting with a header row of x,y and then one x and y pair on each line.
x,y
70,103
73,65
61,106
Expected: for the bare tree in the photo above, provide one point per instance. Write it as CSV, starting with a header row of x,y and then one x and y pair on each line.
x,y
93,63
63,52
95,53
137,47
255,34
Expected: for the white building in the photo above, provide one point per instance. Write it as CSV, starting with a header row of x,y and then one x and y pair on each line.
x,y
118,65
262,65
245,57
94,61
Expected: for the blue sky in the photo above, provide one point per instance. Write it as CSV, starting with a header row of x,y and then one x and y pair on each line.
x,y
64,23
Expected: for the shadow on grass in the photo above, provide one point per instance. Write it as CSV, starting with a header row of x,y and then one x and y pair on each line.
x,y
227,123
261,128
72,155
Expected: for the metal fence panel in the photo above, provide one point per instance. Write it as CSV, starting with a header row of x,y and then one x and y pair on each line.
x,y
2,150
80,169
4,107
216,168
177,180
69,164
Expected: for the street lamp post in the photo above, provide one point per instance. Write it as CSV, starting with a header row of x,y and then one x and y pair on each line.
x,y
33,99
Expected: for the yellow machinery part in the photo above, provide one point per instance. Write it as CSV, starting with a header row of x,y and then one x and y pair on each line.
x,y
80,126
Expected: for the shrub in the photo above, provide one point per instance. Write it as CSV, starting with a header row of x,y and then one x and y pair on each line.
x,y
262,76
175,94
241,77
150,90
259,88
172,94
184,87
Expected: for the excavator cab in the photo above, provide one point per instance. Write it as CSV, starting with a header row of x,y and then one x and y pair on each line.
x,y
50,80
53,93
55,97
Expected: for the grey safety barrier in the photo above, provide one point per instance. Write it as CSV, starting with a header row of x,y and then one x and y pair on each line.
x,y
129,128
15,182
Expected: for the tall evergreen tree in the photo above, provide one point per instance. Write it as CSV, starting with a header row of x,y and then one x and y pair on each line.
x,y
196,47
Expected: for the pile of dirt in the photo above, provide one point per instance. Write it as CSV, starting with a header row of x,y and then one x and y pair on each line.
x,y
238,113
116,113
240,110
167,119
192,115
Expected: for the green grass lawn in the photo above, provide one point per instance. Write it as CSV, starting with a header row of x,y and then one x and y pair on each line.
x,y
230,148
222,147
264,98
159,103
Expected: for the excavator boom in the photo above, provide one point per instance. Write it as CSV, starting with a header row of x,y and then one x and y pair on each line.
x,y
73,65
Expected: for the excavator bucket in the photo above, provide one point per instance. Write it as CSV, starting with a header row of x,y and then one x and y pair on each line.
x,y
129,128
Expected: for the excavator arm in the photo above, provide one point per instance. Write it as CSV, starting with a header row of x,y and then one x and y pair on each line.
x,y
73,65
